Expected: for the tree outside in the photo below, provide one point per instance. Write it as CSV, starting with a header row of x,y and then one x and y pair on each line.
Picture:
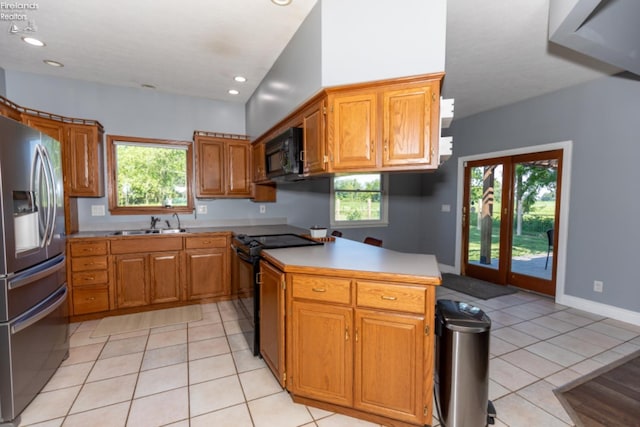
x,y
151,176
358,197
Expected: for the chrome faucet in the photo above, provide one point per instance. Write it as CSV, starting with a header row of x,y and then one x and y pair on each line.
x,y
154,220
178,218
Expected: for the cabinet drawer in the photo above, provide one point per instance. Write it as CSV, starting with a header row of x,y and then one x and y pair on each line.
x,y
132,245
206,242
89,263
90,299
321,288
90,277
88,248
391,296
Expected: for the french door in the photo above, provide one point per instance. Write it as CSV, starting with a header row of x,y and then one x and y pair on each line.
x,y
510,219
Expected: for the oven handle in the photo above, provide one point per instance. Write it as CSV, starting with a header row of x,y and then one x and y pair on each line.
x,y
21,324
244,257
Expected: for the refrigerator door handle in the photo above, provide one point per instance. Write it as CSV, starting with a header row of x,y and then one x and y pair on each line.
x,y
51,195
29,319
22,281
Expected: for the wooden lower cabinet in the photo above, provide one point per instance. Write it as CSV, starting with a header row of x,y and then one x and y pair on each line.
x,y
132,283
207,267
322,359
89,277
272,319
389,365
129,274
206,273
364,346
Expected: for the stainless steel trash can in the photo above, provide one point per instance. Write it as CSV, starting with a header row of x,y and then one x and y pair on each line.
x,y
462,365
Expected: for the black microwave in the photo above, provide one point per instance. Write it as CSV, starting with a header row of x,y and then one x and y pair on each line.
x,y
283,156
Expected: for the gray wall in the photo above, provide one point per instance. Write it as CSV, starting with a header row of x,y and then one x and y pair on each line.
x,y
143,113
602,119
3,86
294,77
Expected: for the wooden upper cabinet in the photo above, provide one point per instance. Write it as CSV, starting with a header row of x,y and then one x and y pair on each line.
x,y
407,125
222,167
47,126
314,138
84,152
9,109
259,171
239,166
352,130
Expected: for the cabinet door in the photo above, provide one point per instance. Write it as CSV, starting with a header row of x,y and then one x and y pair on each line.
x,y
313,128
83,149
389,365
407,126
272,319
238,167
322,352
164,277
257,161
352,134
49,127
132,287
210,167
206,273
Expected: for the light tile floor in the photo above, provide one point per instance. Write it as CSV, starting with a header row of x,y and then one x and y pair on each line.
x,y
202,373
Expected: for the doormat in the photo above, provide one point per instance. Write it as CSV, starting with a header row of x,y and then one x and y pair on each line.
x,y
149,319
475,287
609,396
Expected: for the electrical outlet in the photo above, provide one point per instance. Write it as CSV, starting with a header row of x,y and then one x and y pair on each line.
x,y
263,209
202,209
97,210
597,285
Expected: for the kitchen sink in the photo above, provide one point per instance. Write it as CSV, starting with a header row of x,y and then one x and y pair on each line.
x,y
148,231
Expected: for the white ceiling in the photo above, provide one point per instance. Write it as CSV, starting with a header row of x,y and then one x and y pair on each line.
x,y
497,50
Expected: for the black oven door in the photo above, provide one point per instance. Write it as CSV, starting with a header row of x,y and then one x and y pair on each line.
x,y
244,269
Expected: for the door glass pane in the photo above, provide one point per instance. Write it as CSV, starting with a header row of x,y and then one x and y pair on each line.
x,y
534,208
485,194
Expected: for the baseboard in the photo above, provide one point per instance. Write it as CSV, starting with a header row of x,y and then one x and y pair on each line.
x,y
600,309
444,268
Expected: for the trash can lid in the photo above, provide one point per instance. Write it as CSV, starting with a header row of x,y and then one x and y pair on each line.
x,y
461,316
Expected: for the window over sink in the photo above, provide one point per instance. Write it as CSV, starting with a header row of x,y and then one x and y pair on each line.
x,y
359,200
149,176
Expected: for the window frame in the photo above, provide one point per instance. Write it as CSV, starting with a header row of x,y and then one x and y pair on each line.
x,y
114,209
384,204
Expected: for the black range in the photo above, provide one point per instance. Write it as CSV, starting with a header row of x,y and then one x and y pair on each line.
x,y
244,276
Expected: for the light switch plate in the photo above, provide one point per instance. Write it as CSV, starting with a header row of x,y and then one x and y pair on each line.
x,y
446,208
202,209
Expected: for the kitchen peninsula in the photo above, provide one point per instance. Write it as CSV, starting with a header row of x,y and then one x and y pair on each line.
x,y
349,327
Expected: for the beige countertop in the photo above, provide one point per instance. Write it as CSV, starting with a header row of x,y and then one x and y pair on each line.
x,y
358,260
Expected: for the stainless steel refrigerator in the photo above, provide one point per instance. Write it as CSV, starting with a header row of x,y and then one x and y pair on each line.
x,y
34,319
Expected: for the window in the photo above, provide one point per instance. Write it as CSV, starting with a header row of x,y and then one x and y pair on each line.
x,y
359,200
149,176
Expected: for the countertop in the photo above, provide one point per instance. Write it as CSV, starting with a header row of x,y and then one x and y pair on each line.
x,y
358,260
252,230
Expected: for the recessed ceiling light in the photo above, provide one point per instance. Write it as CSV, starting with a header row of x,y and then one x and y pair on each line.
x,y
240,79
147,86
53,63
33,41
281,2
233,92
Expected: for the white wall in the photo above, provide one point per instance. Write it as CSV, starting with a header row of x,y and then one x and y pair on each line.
x,y
364,40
